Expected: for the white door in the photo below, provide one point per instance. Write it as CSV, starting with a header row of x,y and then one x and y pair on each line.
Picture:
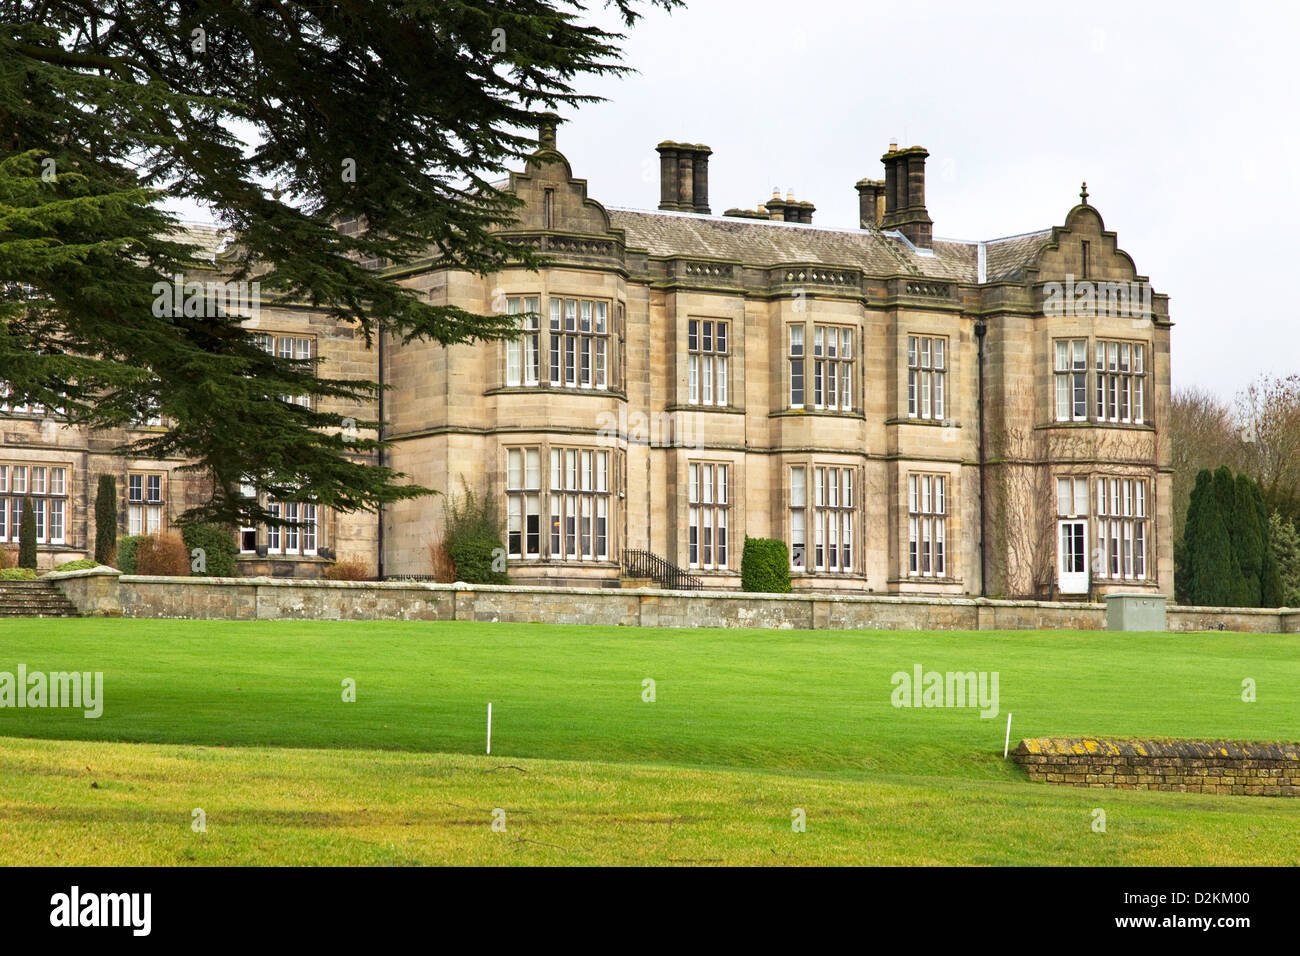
x,y
1072,557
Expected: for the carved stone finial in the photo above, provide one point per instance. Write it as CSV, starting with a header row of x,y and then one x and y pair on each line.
x,y
1083,194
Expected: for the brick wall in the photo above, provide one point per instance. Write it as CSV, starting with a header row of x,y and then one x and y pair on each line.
x,y
1187,766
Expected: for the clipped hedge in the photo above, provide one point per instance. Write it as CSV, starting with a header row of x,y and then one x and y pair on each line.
x,y
17,574
765,566
474,555
106,520
126,550
27,536
218,546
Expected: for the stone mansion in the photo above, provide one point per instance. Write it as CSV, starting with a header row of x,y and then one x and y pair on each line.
x,y
911,415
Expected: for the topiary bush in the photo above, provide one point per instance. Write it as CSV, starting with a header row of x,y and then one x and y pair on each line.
x,y
765,566
106,520
126,549
17,574
162,554
27,536
81,564
473,539
217,544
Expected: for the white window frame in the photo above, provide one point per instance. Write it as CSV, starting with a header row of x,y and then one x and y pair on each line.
x,y
708,505
927,525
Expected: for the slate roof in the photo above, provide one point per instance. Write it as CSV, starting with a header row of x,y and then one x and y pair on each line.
x,y
208,238
762,243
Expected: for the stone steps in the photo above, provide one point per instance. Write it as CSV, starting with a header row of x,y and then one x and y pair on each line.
x,y
34,599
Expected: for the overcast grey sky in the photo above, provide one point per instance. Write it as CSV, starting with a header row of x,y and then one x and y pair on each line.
x,y
1182,117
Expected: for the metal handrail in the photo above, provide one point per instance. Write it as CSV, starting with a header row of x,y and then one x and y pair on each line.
x,y
645,564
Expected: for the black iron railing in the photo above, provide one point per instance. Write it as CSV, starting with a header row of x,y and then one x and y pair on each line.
x,y
643,564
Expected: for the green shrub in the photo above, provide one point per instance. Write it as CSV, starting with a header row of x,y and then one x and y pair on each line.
x,y
17,574
473,539
217,542
106,520
1285,544
27,536
765,566
126,549
81,564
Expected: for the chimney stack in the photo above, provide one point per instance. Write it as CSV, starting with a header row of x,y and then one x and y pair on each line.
x,y
905,195
684,177
871,200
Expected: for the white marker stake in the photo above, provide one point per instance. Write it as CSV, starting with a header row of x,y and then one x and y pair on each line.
x,y
1005,744
489,742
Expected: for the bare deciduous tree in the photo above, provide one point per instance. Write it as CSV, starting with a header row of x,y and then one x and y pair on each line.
x,y
1202,434
1268,417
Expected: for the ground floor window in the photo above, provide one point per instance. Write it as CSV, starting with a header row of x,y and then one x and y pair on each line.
x,y
927,531
47,488
300,535
523,502
145,506
576,503
709,504
827,519
1121,528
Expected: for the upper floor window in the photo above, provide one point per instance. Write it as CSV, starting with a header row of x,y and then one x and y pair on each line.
x,y
47,487
706,346
927,526
832,367
24,408
795,359
927,372
709,503
1071,380
144,503
297,347
523,354
579,343
1121,381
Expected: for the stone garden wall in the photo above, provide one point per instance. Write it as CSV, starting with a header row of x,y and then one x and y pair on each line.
x,y
104,592
1188,766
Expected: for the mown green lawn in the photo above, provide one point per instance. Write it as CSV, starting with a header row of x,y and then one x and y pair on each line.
x,y
746,726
